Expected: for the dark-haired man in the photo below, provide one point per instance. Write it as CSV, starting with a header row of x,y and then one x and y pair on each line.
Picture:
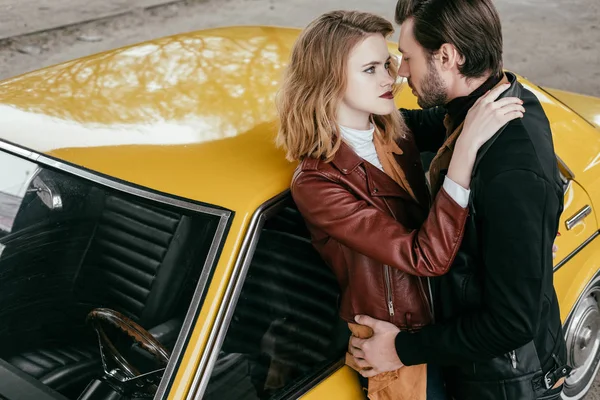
x,y
498,329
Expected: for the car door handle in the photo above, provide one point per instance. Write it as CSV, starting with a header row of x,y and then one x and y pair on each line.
x,y
581,214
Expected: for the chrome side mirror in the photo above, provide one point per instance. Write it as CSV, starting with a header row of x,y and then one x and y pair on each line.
x,y
47,191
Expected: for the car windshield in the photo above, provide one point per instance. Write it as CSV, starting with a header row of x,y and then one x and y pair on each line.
x,y
69,245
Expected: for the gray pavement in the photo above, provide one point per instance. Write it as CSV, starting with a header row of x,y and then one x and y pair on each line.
x,y
29,16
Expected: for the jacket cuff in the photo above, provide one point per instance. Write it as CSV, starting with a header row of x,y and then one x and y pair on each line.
x,y
409,349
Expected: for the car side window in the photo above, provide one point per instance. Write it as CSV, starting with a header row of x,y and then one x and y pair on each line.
x,y
285,331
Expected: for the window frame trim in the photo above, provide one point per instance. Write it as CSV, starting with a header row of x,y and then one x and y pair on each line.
x,y
229,303
224,216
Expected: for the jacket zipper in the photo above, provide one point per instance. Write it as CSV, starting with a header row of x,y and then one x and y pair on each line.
x,y
388,289
387,274
388,283
513,358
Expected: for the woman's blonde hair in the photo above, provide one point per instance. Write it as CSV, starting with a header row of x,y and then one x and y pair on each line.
x,y
315,81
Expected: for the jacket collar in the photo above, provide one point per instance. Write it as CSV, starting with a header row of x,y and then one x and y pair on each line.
x,y
345,159
378,182
515,90
457,108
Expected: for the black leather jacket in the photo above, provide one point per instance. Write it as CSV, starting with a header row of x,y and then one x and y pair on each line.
x,y
498,326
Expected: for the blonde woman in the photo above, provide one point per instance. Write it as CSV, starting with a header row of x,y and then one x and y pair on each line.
x,y
360,185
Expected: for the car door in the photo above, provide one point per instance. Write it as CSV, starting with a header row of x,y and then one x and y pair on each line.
x,y
578,221
283,338
578,228
577,284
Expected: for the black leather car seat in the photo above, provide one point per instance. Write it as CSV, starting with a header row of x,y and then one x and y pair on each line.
x,y
138,262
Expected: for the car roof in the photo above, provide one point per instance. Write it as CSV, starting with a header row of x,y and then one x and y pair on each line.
x,y
191,115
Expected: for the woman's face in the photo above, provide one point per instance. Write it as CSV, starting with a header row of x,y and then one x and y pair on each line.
x,y
369,84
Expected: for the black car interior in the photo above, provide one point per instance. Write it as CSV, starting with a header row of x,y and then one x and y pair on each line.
x,y
81,249
285,328
100,248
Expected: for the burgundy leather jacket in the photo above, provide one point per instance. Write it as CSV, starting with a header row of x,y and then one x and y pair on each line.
x,y
378,240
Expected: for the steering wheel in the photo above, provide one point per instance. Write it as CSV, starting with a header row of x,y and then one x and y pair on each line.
x,y
100,317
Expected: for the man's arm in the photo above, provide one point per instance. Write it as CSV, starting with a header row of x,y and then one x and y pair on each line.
x,y
515,254
427,127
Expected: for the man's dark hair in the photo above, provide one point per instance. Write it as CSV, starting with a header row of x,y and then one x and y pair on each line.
x,y
472,26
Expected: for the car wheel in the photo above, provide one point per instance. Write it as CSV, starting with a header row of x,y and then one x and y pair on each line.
x,y
583,343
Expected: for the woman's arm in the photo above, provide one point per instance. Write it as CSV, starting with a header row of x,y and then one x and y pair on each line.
x,y
428,251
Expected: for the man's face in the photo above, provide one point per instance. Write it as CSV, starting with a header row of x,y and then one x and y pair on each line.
x,y
420,69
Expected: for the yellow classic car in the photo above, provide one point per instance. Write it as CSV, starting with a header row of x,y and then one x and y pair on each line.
x,y
149,247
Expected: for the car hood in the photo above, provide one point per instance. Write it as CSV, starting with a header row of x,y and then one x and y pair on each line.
x,y
587,107
191,115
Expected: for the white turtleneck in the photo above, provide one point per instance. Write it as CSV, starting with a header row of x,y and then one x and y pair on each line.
x,y
361,141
